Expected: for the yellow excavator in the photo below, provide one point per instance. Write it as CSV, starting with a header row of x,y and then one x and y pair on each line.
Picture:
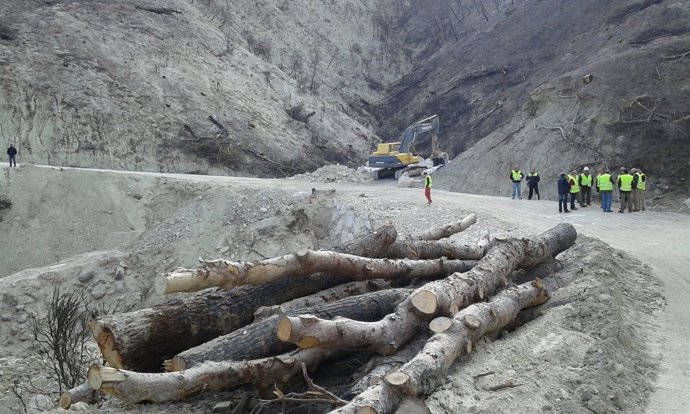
x,y
394,158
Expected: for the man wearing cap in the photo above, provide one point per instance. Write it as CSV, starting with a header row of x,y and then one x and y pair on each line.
x,y
605,189
625,186
585,181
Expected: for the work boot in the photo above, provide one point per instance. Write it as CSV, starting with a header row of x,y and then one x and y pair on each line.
x,y
567,211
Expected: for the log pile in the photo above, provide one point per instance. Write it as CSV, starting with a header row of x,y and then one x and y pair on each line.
x,y
270,323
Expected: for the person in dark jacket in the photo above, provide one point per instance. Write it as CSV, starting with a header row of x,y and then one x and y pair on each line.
x,y
12,153
533,183
563,191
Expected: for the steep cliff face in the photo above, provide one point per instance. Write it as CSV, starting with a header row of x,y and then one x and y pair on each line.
x,y
243,87
498,81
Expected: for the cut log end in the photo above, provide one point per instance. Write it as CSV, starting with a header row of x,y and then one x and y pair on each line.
x,y
106,343
101,377
425,302
309,342
284,329
396,378
440,324
65,400
366,410
471,321
538,283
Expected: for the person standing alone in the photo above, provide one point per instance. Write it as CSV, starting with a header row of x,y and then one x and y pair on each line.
x,y
427,187
12,154
516,178
533,183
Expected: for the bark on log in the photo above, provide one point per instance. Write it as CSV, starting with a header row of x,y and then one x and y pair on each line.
x,y
422,374
133,387
433,249
447,230
143,339
374,244
259,339
226,274
81,393
325,296
446,296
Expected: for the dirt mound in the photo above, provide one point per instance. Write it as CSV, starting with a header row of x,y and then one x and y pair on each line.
x,y
334,174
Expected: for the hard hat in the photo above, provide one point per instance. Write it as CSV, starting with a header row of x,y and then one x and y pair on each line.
x,y
586,169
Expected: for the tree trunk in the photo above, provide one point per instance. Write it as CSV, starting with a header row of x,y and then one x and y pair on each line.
x,y
433,249
143,339
422,374
81,393
226,274
447,296
259,339
133,387
446,231
374,244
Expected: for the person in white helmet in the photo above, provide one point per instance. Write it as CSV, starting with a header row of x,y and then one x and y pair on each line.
x,y
585,181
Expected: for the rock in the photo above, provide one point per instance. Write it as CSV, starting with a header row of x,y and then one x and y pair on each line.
x,y
39,402
597,405
86,276
687,203
99,291
618,400
223,407
411,405
79,406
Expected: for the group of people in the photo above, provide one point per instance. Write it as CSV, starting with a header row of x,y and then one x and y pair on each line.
x,y
577,187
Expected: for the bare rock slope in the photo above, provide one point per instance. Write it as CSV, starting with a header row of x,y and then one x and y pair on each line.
x,y
249,88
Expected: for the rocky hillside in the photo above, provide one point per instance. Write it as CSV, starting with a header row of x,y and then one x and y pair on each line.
x,y
505,78
243,87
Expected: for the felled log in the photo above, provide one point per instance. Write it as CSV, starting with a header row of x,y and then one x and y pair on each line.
x,y
374,244
433,249
133,387
447,230
502,258
447,296
143,339
81,393
422,374
259,340
226,274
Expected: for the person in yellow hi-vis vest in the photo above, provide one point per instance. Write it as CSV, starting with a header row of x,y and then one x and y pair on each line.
x,y
574,189
625,186
585,181
639,186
